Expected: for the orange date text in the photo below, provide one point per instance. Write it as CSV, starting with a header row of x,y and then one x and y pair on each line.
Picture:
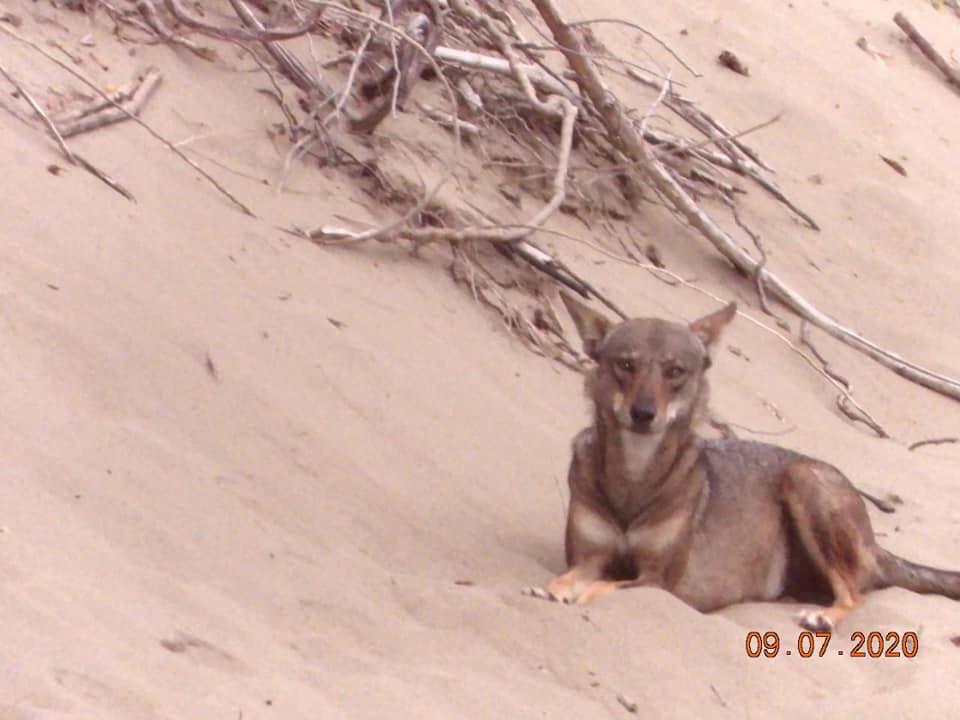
x,y
818,644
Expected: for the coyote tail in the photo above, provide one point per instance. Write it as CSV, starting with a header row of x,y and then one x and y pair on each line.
x,y
895,571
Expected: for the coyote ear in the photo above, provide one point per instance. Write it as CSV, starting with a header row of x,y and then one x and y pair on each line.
x,y
591,325
708,327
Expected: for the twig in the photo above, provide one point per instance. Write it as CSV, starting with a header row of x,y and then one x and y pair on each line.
x,y
951,73
93,86
149,12
388,6
477,61
277,93
288,63
596,293
447,120
845,398
425,34
553,106
128,105
664,90
423,236
470,96
299,149
351,77
688,111
545,263
725,427
242,33
827,368
758,271
40,113
732,136
483,287
623,133
70,156
661,43
730,144
824,369
933,441
103,177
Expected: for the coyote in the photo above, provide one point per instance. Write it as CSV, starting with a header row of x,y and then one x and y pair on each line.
x,y
715,522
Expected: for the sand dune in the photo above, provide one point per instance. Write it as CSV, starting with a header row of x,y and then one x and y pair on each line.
x,y
217,502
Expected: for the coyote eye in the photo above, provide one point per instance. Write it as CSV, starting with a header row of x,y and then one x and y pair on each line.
x,y
674,371
625,365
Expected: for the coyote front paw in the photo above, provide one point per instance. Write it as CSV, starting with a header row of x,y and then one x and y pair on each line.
x,y
541,593
549,595
815,620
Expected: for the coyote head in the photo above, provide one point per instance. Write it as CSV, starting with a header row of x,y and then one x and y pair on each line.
x,y
650,372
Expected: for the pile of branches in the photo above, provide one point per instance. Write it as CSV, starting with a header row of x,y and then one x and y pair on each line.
x,y
525,91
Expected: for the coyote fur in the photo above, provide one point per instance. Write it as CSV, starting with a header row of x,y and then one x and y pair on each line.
x,y
715,522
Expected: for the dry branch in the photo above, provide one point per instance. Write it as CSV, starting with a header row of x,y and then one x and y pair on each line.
x,y
608,132
447,120
477,61
933,441
555,105
509,238
844,400
129,103
41,113
149,12
244,34
818,363
409,64
467,269
951,73
93,86
623,133
68,154
739,157
288,63
621,21
496,233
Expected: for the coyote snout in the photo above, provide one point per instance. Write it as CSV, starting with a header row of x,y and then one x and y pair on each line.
x,y
714,522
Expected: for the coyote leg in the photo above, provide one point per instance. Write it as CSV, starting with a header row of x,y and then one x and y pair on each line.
x,y
833,527
599,588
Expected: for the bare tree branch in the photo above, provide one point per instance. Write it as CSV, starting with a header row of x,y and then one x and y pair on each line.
x,y
632,144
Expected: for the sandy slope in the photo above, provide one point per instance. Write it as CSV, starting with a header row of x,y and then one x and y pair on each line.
x,y
282,536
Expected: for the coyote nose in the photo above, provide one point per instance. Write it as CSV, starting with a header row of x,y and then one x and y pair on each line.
x,y
642,414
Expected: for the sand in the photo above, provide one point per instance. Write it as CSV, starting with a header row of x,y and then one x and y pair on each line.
x,y
217,502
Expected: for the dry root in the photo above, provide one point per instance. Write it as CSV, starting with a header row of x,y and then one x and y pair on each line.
x,y
557,134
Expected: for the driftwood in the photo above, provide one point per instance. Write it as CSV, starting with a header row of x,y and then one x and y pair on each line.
x,y
478,61
736,156
68,154
502,234
950,72
563,133
153,21
621,129
122,106
467,128
291,67
96,88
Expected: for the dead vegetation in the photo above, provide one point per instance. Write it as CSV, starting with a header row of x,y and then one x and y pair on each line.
x,y
518,89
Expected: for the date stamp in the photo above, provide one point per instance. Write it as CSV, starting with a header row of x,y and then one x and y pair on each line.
x,y
818,644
